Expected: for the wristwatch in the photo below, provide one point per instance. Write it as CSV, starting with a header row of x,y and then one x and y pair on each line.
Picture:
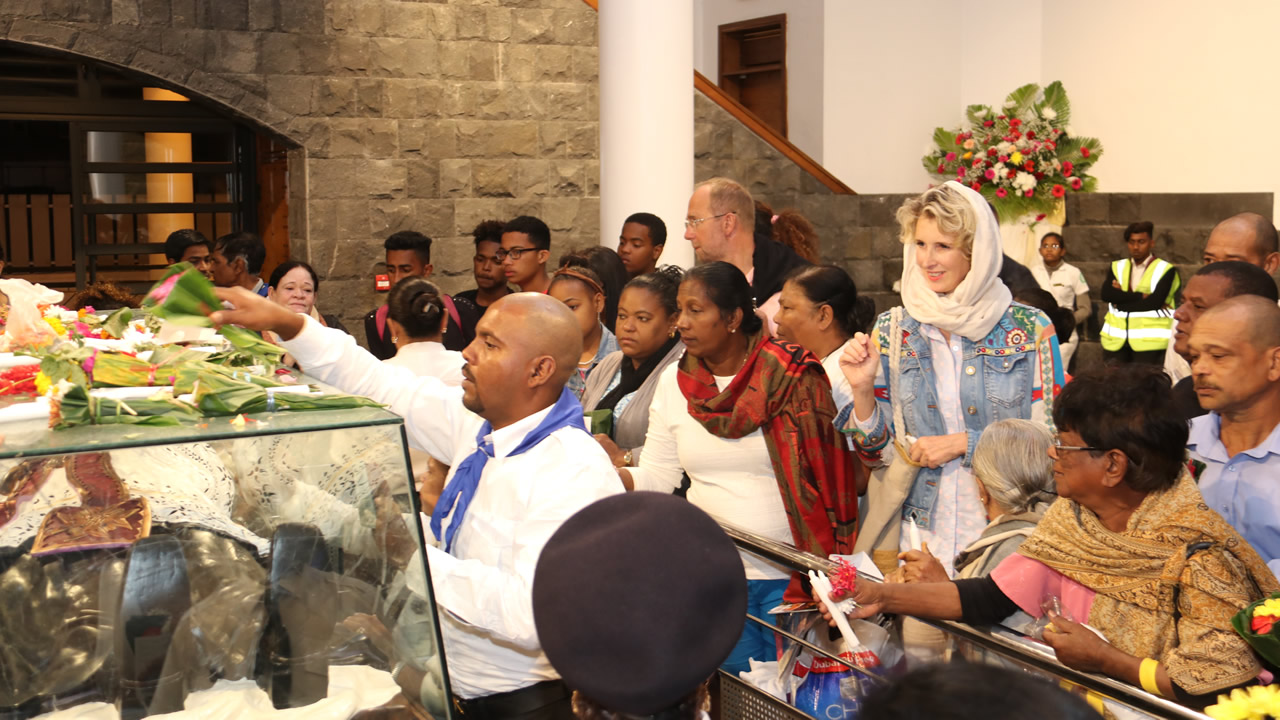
x,y
626,459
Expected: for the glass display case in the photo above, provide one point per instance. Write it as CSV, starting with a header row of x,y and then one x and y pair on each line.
x,y
232,569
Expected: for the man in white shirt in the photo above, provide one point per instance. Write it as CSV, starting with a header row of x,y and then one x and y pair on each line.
x,y
1245,237
537,467
1066,284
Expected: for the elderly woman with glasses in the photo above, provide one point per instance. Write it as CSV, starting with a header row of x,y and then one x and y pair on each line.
x,y
1130,548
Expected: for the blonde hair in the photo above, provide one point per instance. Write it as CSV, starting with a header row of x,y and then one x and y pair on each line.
x,y
728,196
945,206
1012,462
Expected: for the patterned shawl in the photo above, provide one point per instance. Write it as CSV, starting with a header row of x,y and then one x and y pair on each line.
x,y
1144,581
783,390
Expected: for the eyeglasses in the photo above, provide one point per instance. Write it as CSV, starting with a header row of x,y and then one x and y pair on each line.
x,y
691,224
515,253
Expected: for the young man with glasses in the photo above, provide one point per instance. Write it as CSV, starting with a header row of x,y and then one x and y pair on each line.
x,y
526,247
1066,283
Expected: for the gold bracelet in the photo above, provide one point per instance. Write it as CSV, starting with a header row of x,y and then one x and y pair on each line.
x,y
1147,676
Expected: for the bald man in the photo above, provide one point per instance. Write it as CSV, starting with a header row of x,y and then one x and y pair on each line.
x,y
521,462
1235,365
1246,237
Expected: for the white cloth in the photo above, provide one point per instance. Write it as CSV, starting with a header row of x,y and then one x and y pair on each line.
x,y
732,480
958,514
1066,284
841,391
430,359
1137,270
486,584
981,299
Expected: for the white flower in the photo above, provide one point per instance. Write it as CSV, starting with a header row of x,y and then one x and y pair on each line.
x,y
1005,148
983,112
1024,181
1048,113
1008,104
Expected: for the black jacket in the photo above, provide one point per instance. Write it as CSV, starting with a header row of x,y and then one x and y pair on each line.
x,y
772,261
456,336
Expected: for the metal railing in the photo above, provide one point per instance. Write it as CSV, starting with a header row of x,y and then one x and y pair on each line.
x,y
997,640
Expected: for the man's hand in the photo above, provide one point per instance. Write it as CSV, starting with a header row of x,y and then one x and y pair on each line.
x,y
937,450
922,566
1076,646
255,312
1115,284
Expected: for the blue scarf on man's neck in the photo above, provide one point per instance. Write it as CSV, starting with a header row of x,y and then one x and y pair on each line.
x,y
567,412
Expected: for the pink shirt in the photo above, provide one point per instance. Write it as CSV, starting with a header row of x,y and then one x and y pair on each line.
x,y
1029,583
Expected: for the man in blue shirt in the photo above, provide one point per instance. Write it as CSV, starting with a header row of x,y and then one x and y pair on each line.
x,y
1235,365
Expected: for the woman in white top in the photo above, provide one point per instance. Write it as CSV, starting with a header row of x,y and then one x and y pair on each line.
x,y
417,318
746,417
819,310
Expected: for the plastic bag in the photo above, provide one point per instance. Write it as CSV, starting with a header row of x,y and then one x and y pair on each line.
x,y
829,689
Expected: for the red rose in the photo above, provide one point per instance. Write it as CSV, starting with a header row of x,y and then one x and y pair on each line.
x,y
1067,167
1059,191
1013,174
1076,183
1001,192
1015,122
960,139
1039,176
1017,135
1001,117
1030,192
991,152
977,162
1004,158
1029,166
1084,151
1040,217
941,168
977,187
988,123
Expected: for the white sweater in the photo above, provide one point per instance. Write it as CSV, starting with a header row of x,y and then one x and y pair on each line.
x,y
732,480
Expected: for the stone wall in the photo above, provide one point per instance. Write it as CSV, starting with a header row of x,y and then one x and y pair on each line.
x,y
424,115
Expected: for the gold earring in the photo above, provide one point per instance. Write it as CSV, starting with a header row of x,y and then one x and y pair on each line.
x,y
395,339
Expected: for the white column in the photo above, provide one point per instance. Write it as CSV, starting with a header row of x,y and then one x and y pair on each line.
x,y
646,117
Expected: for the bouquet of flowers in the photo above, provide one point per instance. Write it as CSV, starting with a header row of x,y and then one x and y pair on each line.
x,y
78,407
217,394
1259,625
1022,157
185,296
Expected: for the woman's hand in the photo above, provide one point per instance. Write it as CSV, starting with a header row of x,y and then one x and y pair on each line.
x,y
615,453
922,566
1077,646
868,597
860,361
255,312
937,450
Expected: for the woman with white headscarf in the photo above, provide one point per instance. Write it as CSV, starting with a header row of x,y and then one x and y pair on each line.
x,y
966,356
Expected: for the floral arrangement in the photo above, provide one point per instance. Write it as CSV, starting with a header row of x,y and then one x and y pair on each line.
x,y
1259,625
1259,702
844,578
185,296
1021,158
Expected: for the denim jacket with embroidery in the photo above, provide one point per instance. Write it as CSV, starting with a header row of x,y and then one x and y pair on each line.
x,y
1002,376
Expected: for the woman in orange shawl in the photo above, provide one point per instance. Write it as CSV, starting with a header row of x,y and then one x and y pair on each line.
x,y
1130,548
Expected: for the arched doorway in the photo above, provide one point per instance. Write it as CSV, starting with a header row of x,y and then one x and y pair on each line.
x,y
98,164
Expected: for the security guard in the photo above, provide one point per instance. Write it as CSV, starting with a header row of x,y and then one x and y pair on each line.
x,y
1141,292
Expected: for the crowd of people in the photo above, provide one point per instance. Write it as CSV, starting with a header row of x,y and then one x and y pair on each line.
x,y
945,437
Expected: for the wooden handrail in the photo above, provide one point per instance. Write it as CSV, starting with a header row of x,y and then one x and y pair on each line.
x,y
718,96
764,131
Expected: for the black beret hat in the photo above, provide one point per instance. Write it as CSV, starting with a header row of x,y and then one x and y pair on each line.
x,y
638,598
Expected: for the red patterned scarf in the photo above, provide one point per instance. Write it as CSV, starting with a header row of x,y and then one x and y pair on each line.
x,y
783,390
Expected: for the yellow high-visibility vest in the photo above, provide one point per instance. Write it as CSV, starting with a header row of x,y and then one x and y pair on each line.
x,y
1148,329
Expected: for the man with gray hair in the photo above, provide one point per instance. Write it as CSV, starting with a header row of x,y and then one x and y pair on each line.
x,y
721,225
1235,449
